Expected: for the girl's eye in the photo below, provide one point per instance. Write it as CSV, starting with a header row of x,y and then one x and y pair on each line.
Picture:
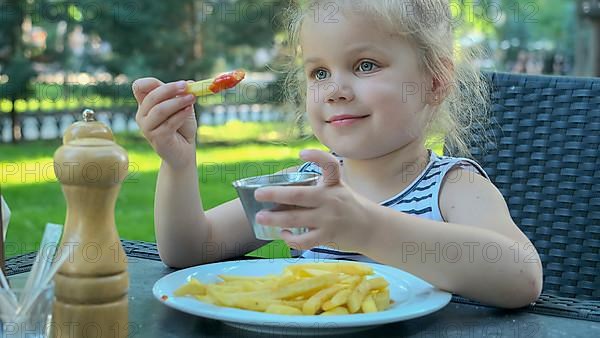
x,y
366,66
320,74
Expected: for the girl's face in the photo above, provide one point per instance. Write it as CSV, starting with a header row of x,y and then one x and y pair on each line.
x,y
365,91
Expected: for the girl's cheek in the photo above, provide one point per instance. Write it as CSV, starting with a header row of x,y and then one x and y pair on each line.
x,y
313,96
376,94
317,94
311,105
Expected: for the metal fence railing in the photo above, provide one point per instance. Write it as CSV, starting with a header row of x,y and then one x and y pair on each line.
x,y
51,125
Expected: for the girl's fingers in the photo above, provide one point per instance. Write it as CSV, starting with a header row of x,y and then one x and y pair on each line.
x,y
161,94
164,110
294,218
176,121
302,196
303,241
330,166
142,87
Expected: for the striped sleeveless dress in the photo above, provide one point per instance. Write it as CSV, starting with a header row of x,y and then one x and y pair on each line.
x,y
420,198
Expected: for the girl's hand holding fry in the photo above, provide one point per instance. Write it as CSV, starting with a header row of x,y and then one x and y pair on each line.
x,y
166,113
166,117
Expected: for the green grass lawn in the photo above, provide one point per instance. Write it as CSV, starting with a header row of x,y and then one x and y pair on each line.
x,y
35,197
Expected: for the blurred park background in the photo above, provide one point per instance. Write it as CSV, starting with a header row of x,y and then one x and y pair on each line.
x,y
58,57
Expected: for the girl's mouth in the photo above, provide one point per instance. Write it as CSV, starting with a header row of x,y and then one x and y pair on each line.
x,y
345,120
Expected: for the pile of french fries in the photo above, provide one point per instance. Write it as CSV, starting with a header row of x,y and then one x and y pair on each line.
x,y
336,288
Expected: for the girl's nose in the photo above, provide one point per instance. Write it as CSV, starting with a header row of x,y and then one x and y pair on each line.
x,y
340,93
339,89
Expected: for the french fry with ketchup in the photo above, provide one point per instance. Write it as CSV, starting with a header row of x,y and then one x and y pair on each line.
x,y
217,84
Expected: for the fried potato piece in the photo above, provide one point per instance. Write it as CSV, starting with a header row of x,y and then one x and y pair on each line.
x,y
193,287
340,267
368,305
305,286
382,300
336,311
314,303
281,309
338,299
358,296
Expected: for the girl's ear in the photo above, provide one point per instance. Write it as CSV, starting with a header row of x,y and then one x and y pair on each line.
x,y
441,83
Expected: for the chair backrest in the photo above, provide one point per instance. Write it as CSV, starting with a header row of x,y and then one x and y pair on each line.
x,y
545,160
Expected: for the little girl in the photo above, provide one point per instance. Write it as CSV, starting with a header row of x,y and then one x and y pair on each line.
x,y
378,78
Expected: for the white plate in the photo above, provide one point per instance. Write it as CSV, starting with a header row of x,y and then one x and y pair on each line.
x,y
412,298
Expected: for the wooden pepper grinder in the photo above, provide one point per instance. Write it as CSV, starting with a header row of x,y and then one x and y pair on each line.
x,y
91,286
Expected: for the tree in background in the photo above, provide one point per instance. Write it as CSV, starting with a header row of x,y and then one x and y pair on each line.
x,y
15,64
508,28
183,39
169,40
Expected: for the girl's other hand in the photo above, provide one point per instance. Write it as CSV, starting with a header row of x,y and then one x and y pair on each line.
x,y
166,117
336,215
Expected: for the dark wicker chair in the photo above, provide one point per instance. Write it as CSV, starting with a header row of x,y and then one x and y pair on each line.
x,y
544,158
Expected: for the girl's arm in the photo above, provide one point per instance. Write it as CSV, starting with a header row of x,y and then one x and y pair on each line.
x,y
185,234
480,253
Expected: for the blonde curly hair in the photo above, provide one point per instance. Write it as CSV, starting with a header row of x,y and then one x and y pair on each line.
x,y
428,25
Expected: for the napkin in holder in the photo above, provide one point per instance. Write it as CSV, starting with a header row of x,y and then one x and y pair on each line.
x,y
5,211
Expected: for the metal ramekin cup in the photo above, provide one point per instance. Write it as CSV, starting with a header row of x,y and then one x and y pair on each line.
x,y
246,187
